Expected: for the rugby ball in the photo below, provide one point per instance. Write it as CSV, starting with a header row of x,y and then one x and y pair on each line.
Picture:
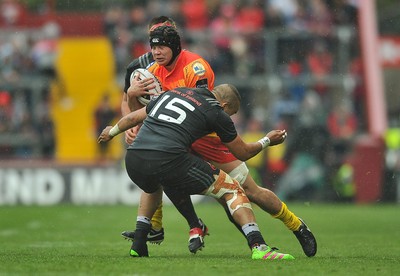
x,y
144,74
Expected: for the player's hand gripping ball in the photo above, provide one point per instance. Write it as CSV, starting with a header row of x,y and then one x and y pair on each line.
x,y
144,74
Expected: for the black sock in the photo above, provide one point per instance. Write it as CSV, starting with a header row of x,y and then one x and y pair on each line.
x,y
139,243
142,229
255,238
183,203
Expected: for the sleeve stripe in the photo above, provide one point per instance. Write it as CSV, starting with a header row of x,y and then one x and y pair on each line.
x,y
212,102
144,60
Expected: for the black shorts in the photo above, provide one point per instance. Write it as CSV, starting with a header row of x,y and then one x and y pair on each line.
x,y
181,173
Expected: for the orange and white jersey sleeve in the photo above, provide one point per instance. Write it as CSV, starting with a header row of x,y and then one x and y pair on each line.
x,y
199,74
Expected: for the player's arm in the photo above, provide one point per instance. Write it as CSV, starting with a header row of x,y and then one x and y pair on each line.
x,y
131,133
135,64
244,151
128,121
138,88
140,62
124,105
225,129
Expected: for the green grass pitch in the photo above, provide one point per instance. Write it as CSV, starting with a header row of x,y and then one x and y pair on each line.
x,y
85,240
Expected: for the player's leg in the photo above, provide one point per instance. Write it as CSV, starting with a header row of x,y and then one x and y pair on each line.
x,y
228,189
149,201
153,198
148,205
157,230
156,220
156,234
184,205
198,230
269,202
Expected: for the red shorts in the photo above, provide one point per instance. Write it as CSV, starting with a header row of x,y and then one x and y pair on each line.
x,y
211,148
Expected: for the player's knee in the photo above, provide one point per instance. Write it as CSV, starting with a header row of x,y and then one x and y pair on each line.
x,y
229,189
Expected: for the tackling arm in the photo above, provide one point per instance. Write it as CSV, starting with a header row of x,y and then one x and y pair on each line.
x,y
128,121
244,151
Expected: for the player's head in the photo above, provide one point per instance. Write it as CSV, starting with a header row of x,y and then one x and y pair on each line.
x,y
229,98
166,36
161,21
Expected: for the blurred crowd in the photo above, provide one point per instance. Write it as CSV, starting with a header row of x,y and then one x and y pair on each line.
x,y
317,96
27,66
226,32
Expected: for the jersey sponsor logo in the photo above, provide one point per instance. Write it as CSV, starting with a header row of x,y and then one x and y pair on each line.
x,y
198,69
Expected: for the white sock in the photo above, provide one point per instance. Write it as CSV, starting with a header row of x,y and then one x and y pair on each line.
x,y
250,227
143,219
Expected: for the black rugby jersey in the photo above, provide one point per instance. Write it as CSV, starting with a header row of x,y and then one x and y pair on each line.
x,y
178,117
